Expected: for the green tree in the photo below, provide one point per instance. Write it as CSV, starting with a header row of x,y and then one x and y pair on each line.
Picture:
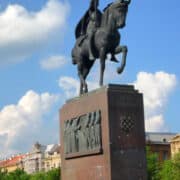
x,y
3,174
170,169
152,165
38,176
18,174
53,174
176,165
166,170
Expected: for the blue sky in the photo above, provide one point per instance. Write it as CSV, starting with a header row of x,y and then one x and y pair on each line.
x,y
36,74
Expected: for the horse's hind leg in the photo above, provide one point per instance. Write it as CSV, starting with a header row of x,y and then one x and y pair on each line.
x,y
82,73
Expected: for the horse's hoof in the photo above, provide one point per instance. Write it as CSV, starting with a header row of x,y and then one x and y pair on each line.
x,y
119,70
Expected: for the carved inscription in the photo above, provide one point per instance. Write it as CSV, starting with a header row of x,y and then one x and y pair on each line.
x,y
82,135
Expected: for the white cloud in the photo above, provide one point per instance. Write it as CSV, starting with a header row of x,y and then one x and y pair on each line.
x,y
22,122
156,89
156,123
71,86
24,32
53,62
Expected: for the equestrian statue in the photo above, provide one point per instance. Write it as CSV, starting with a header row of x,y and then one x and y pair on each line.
x,y
97,36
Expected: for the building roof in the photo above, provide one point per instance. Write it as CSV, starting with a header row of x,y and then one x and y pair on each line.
x,y
159,137
51,148
11,161
2,162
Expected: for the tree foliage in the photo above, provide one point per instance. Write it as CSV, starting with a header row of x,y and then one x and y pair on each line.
x,y
170,169
18,174
53,174
2,174
152,165
15,175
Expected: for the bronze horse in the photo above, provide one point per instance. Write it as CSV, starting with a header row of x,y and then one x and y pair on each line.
x,y
106,40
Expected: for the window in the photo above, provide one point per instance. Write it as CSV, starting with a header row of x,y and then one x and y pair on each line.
x,y
165,155
164,140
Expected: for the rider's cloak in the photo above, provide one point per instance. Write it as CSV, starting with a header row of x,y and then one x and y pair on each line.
x,y
83,23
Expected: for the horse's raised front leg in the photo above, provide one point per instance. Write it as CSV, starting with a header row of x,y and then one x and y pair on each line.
x,y
123,50
102,65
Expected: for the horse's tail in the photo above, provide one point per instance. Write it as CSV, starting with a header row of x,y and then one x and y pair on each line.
x,y
123,62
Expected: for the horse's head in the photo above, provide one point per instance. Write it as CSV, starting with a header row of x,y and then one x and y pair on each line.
x,y
119,10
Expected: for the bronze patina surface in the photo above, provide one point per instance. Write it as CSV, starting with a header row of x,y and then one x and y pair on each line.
x,y
97,36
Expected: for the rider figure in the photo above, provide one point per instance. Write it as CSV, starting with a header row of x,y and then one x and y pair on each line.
x,y
94,23
88,25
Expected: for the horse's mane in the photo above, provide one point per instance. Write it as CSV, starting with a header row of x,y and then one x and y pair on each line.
x,y
107,7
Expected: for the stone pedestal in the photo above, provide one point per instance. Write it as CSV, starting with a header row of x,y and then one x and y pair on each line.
x,y
102,135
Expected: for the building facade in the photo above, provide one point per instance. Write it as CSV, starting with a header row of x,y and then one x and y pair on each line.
x,y
12,163
40,158
175,145
159,143
52,158
34,161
